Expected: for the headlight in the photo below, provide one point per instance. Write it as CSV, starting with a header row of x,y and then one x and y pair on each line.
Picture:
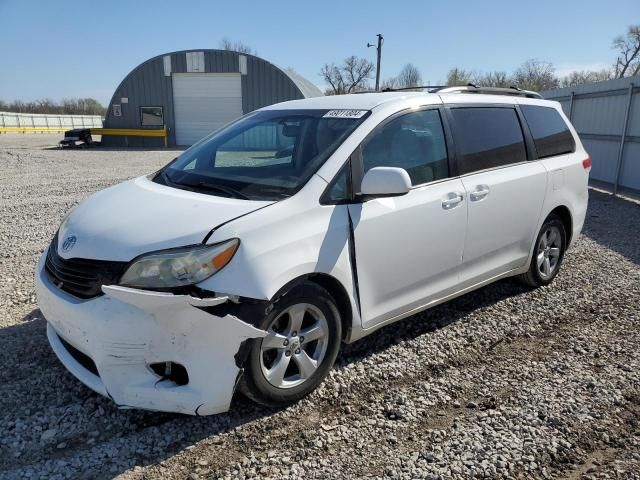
x,y
176,268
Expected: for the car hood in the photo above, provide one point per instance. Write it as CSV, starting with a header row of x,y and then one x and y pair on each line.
x,y
140,216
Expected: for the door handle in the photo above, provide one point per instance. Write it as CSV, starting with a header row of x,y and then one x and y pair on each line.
x,y
451,200
479,193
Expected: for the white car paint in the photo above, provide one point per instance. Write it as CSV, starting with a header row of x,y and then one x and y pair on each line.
x,y
504,206
386,181
103,222
392,281
411,252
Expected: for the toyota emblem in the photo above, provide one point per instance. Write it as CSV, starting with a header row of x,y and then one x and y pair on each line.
x,y
68,243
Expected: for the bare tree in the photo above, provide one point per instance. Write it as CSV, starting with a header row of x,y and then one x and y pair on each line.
x,y
628,46
349,77
535,75
459,77
389,83
493,79
409,76
586,76
20,107
227,44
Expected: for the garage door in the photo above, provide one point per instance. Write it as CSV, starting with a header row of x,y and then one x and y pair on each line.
x,y
204,102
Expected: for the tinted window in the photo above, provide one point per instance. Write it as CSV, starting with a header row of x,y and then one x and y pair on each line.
x,y
488,137
415,142
550,132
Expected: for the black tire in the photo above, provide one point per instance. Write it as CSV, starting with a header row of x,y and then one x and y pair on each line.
x,y
535,276
254,383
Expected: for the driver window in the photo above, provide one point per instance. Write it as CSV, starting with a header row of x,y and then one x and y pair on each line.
x,y
415,142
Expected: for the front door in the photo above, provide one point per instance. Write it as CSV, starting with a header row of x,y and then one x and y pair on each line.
x,y
408,249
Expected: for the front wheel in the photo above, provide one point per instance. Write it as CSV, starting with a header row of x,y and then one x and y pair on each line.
x,y
548,253
302,343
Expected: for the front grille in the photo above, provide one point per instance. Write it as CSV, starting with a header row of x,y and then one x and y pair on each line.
x,y
81,277
81,358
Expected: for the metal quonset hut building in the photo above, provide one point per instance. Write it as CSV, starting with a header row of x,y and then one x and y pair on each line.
x,y
194,92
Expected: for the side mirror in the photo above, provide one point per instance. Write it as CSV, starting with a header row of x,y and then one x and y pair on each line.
x,y
385,182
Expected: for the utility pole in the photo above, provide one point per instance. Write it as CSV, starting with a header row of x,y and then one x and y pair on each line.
x,y
379,49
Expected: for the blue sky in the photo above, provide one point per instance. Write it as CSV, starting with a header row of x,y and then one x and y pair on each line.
x,y
61,49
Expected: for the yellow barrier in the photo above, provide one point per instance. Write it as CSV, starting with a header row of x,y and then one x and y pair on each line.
x,y
133,132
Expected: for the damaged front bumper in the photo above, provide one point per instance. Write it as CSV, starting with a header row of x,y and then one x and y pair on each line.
x,y
111,344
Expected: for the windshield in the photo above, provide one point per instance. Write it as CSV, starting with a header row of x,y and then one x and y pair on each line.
x,y
267,155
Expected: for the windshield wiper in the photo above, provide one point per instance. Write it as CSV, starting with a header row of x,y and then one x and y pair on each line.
x,y
172,183
276,191
192,187
165,177
232,192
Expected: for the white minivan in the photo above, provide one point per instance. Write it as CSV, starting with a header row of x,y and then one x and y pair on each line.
x,y
247,260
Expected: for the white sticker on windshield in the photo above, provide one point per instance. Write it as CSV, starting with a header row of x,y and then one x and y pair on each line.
x,y
344,113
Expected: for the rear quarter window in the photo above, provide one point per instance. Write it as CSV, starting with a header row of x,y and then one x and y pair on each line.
x,y
487,137
550,132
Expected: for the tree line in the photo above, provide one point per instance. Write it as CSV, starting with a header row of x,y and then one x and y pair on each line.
x,y
355,73
68,106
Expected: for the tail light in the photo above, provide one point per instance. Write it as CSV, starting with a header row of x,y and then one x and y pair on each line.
x,y
586,163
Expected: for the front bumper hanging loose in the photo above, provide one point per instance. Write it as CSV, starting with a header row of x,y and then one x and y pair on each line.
x,y
122,333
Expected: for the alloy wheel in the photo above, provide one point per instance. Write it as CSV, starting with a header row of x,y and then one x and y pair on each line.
x,y
548,252
295,345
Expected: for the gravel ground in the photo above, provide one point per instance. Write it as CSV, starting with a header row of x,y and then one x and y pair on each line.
x,y
505,382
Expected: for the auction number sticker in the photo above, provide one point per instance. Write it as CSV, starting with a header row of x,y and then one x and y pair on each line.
x,y
344,113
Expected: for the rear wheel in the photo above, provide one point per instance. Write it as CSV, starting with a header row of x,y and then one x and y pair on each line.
x,y
302,342
547,254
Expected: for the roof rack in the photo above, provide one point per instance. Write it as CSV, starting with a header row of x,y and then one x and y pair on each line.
x,y
403,89
419,87
471,88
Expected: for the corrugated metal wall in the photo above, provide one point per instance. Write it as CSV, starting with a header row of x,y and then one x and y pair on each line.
x,y
607,118
147,85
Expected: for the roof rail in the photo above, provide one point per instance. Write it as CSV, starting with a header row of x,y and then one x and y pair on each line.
x,y
418,87
435,88
470,88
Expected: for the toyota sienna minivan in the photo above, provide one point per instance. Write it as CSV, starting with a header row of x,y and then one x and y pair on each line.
x,y
246,261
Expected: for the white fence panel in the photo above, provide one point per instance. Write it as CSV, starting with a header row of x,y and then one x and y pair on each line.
x,y
39,120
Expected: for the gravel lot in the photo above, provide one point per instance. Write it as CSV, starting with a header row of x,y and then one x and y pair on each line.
x,y
505,382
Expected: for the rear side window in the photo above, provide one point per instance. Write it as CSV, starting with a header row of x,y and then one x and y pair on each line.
x,y
414,141
551,134
488,137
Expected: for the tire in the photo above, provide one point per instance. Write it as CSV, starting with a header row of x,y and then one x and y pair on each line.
x,y
548,253
278,369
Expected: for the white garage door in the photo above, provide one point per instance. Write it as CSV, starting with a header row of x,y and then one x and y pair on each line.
x,y
204,102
